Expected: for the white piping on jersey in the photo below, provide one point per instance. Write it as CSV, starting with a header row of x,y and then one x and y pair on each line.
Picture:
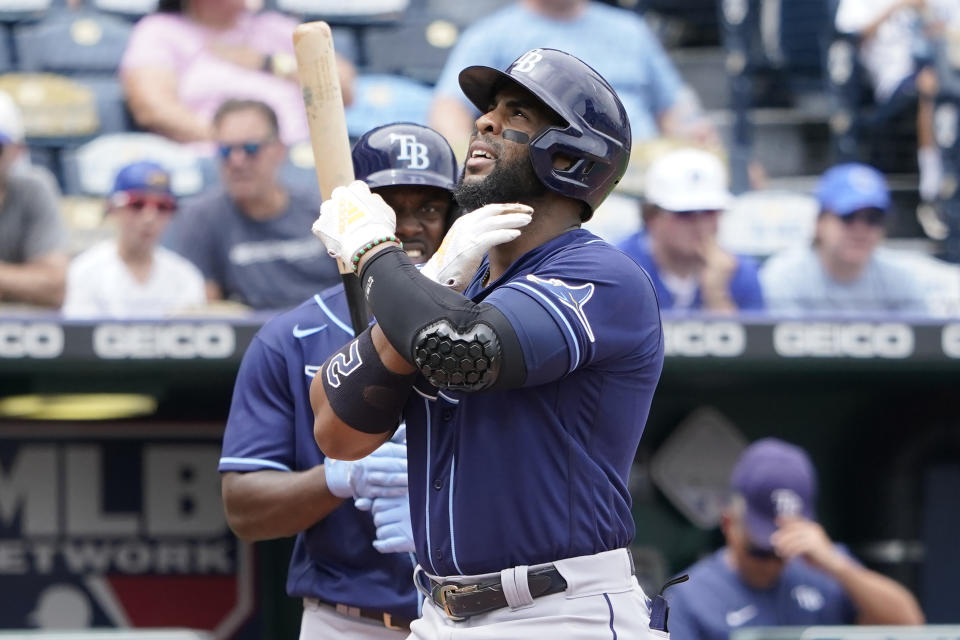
x,y
426,407
563,318
255,462
337,321
595,241
424,394
448,398
453,545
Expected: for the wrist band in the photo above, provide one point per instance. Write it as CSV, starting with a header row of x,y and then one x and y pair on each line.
x,y
370,245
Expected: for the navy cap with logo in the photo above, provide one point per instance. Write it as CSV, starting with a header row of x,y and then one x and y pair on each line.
x,y
404,154
775,478
142,176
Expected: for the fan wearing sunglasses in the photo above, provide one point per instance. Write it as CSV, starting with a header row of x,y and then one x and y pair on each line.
x,y
247,236
685,193
130,275
779,567
845,270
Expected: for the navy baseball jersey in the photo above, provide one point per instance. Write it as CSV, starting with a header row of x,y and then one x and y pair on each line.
x,y
271,427
716,601
531,475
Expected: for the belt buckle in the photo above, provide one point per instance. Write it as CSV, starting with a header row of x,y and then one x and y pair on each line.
x,y
452,588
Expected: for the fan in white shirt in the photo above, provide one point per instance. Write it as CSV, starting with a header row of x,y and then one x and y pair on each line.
x,y
131,276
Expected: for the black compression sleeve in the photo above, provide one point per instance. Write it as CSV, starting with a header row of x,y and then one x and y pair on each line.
x,y
452,340
361,391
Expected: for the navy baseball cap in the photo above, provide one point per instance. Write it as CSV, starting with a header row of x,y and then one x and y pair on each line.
x,y
143,176
775,478
850,187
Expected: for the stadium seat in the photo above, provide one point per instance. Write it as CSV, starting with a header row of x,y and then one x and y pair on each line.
x,y
415,47
111,102
70,42
23,10
385,98
760,223
6,50
90,168
128,9
460,12
56,110
342,11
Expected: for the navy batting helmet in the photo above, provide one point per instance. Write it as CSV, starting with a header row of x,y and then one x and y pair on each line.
x,y
404,154
595,131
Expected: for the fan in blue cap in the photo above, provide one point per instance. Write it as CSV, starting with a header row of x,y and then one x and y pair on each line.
x,y
845,270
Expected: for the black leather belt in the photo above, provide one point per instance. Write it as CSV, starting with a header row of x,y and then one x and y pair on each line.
x,y
460,601
384,618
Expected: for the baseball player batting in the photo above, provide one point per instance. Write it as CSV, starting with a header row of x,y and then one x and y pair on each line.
x,y
351,568
526,396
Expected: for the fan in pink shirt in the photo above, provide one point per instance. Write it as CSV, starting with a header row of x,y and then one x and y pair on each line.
x,y
188,58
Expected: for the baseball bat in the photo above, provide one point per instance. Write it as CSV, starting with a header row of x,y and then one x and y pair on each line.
x,y
323,101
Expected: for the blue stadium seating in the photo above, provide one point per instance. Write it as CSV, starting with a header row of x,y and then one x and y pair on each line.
x,y
342,12
127,9
23,10
111,102
89,169
6,50
70,42
417,48
384,98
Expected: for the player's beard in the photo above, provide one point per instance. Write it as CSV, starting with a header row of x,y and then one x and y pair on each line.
x,y
512,181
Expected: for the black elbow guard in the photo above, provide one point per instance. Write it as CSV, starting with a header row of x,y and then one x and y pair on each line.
x,y
459,359
454,342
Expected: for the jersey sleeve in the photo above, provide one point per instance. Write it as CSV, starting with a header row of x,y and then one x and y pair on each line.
x,y
260,427
585,306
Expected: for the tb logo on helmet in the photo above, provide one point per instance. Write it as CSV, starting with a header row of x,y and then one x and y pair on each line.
x,y
415,153
526,62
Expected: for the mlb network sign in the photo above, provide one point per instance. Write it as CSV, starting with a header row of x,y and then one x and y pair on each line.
x,y
117,532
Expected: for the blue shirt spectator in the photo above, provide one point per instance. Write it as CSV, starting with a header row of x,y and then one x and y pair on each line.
x,y
615,42
845,270
779,566
685,193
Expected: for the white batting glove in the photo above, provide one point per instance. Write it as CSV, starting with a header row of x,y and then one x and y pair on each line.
x,y
470,238
381,474
352,218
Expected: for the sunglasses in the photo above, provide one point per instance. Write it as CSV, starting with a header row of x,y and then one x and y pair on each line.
x,y
701,213
250,149
872,217
760,553
140,201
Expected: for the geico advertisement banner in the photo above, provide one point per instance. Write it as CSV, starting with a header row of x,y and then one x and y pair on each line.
x,y
117,532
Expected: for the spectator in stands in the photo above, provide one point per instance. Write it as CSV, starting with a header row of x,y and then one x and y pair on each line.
x,y
185,60
685,192
33,237
131,276
891,34
615,42
844,270
779,567
251,238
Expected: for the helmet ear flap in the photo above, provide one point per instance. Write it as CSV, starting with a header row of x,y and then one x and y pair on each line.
x,y
595,169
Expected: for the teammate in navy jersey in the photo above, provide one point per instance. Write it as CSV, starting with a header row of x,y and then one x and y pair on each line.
x,y
779,567
525,397
347,565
